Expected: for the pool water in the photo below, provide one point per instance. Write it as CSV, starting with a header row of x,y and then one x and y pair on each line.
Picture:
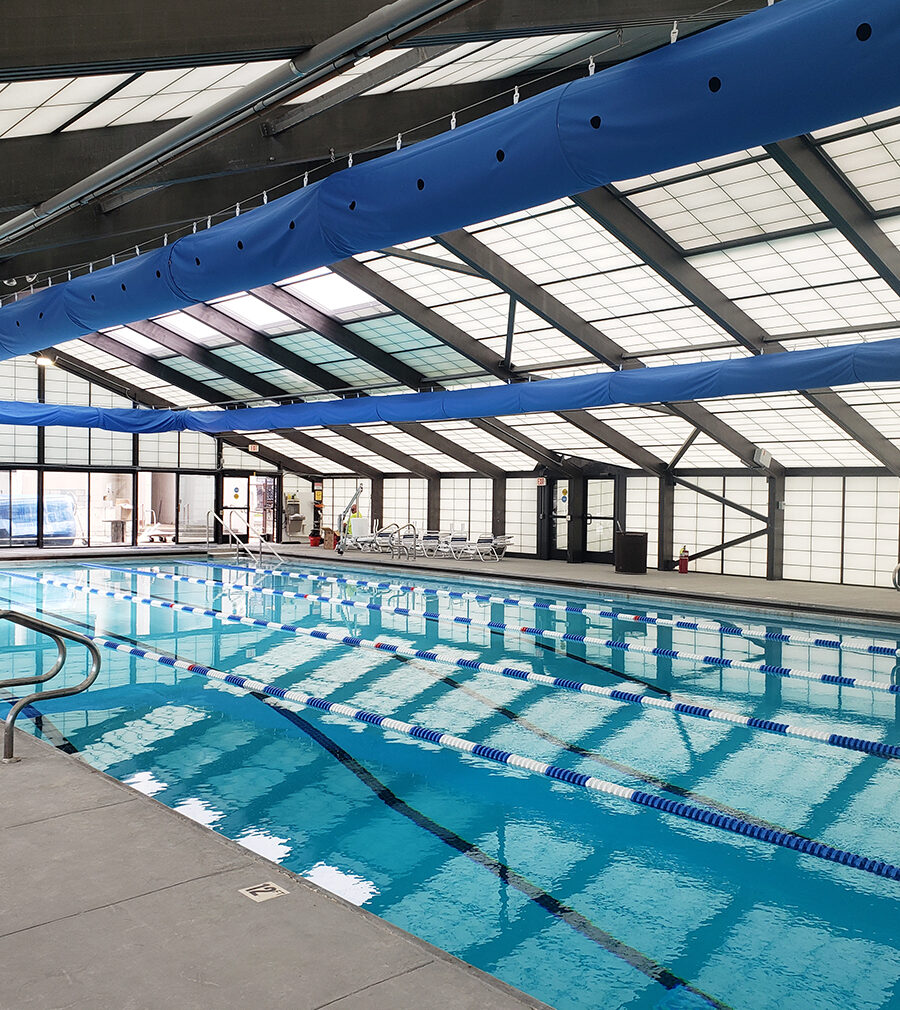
x,y
582,900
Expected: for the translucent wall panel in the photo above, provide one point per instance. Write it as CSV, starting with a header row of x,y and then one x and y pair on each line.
x,y
337,493
158,450
701,523
196,451
66,445
18,381
240,460
521,513
406,501
842,529
871,528
813,508
642,511
466,504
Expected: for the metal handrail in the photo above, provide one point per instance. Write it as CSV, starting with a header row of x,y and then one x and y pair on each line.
x,y
57,634
397,544
895,578
234,538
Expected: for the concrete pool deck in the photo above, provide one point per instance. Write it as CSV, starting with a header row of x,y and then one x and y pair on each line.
x,y
112,901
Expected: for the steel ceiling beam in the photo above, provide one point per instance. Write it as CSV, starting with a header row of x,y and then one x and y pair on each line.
x,y
552,310
396,298
312,318
207,358
814,173
631,229
153,366
616,441
427,319
69,363
450,448
373,444
265,345
383,28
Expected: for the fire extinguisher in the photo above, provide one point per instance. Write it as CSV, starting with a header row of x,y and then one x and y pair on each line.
x,y
683,559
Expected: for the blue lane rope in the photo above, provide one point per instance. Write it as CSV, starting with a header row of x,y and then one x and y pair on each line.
x,y
724,822
683,706
707,627
691,657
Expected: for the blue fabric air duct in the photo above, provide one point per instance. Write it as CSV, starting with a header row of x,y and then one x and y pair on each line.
x,y
830,366
781,71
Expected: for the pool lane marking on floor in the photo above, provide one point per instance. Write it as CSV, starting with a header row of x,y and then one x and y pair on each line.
x,y
684,707
560,636
550,904
734,825
707,627
572,748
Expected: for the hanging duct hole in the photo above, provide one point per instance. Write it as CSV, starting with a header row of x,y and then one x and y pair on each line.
x,y
93,298
352,205
595,122
420,184
197,260
291,226
501,154
240,244
864,32
123,287
158,274
714,84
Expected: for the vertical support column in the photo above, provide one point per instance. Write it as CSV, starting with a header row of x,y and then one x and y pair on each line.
x,y
775,534
498,506
620,504
666,528
545,524
576,541
434,503
377,520
42,398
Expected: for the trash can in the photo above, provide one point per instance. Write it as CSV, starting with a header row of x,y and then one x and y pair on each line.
x,y
630,553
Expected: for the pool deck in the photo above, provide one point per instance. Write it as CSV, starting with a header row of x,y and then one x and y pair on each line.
x,y
790,597
112,901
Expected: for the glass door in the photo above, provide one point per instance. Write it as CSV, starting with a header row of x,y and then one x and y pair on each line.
x,y
235,505
156,507
601,523
262,507
196,497
559,518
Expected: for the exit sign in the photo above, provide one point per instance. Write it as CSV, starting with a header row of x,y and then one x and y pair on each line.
x,y
253,447
542,482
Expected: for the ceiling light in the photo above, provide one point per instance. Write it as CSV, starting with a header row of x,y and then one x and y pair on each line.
x,y
30,278
10,282
44,361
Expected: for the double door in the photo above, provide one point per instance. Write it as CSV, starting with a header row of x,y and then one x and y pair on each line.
x,y
249,506
577,518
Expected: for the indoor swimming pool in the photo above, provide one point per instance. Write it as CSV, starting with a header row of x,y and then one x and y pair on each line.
x,y
604,801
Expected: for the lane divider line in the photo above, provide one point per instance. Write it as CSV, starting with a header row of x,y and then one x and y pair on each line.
x,y
707,627
768,669
685,706
724,822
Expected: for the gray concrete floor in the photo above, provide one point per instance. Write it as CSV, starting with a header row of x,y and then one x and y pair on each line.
x,y
784,596
111,901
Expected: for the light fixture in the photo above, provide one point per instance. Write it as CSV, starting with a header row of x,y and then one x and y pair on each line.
x,y
30,278
43,361
10,282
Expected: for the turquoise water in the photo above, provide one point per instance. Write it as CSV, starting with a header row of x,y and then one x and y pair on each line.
x,y
583,900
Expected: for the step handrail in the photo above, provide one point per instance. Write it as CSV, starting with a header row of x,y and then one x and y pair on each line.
x,y
895,578
235,539
56,634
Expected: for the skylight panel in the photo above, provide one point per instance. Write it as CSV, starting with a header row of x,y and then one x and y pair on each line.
x,y
753,198
193,329
362,66
693,168
557,245
351,448
192,104
428,284
247,359
705,452
855,304
27,95
255,312
131,338
623,292
871,161
335,296
799,261
302,456
855,124
554,433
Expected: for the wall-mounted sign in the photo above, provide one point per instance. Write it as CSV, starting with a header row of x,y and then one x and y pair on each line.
x,y
542,482
253,447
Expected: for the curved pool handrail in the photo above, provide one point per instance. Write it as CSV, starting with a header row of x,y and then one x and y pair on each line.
x,y
56,634
895,578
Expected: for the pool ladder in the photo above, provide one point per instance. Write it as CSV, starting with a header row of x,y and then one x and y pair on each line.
x,y
57,634
213,517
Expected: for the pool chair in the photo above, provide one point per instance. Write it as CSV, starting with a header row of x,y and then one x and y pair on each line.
x,y
486,547
434,544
